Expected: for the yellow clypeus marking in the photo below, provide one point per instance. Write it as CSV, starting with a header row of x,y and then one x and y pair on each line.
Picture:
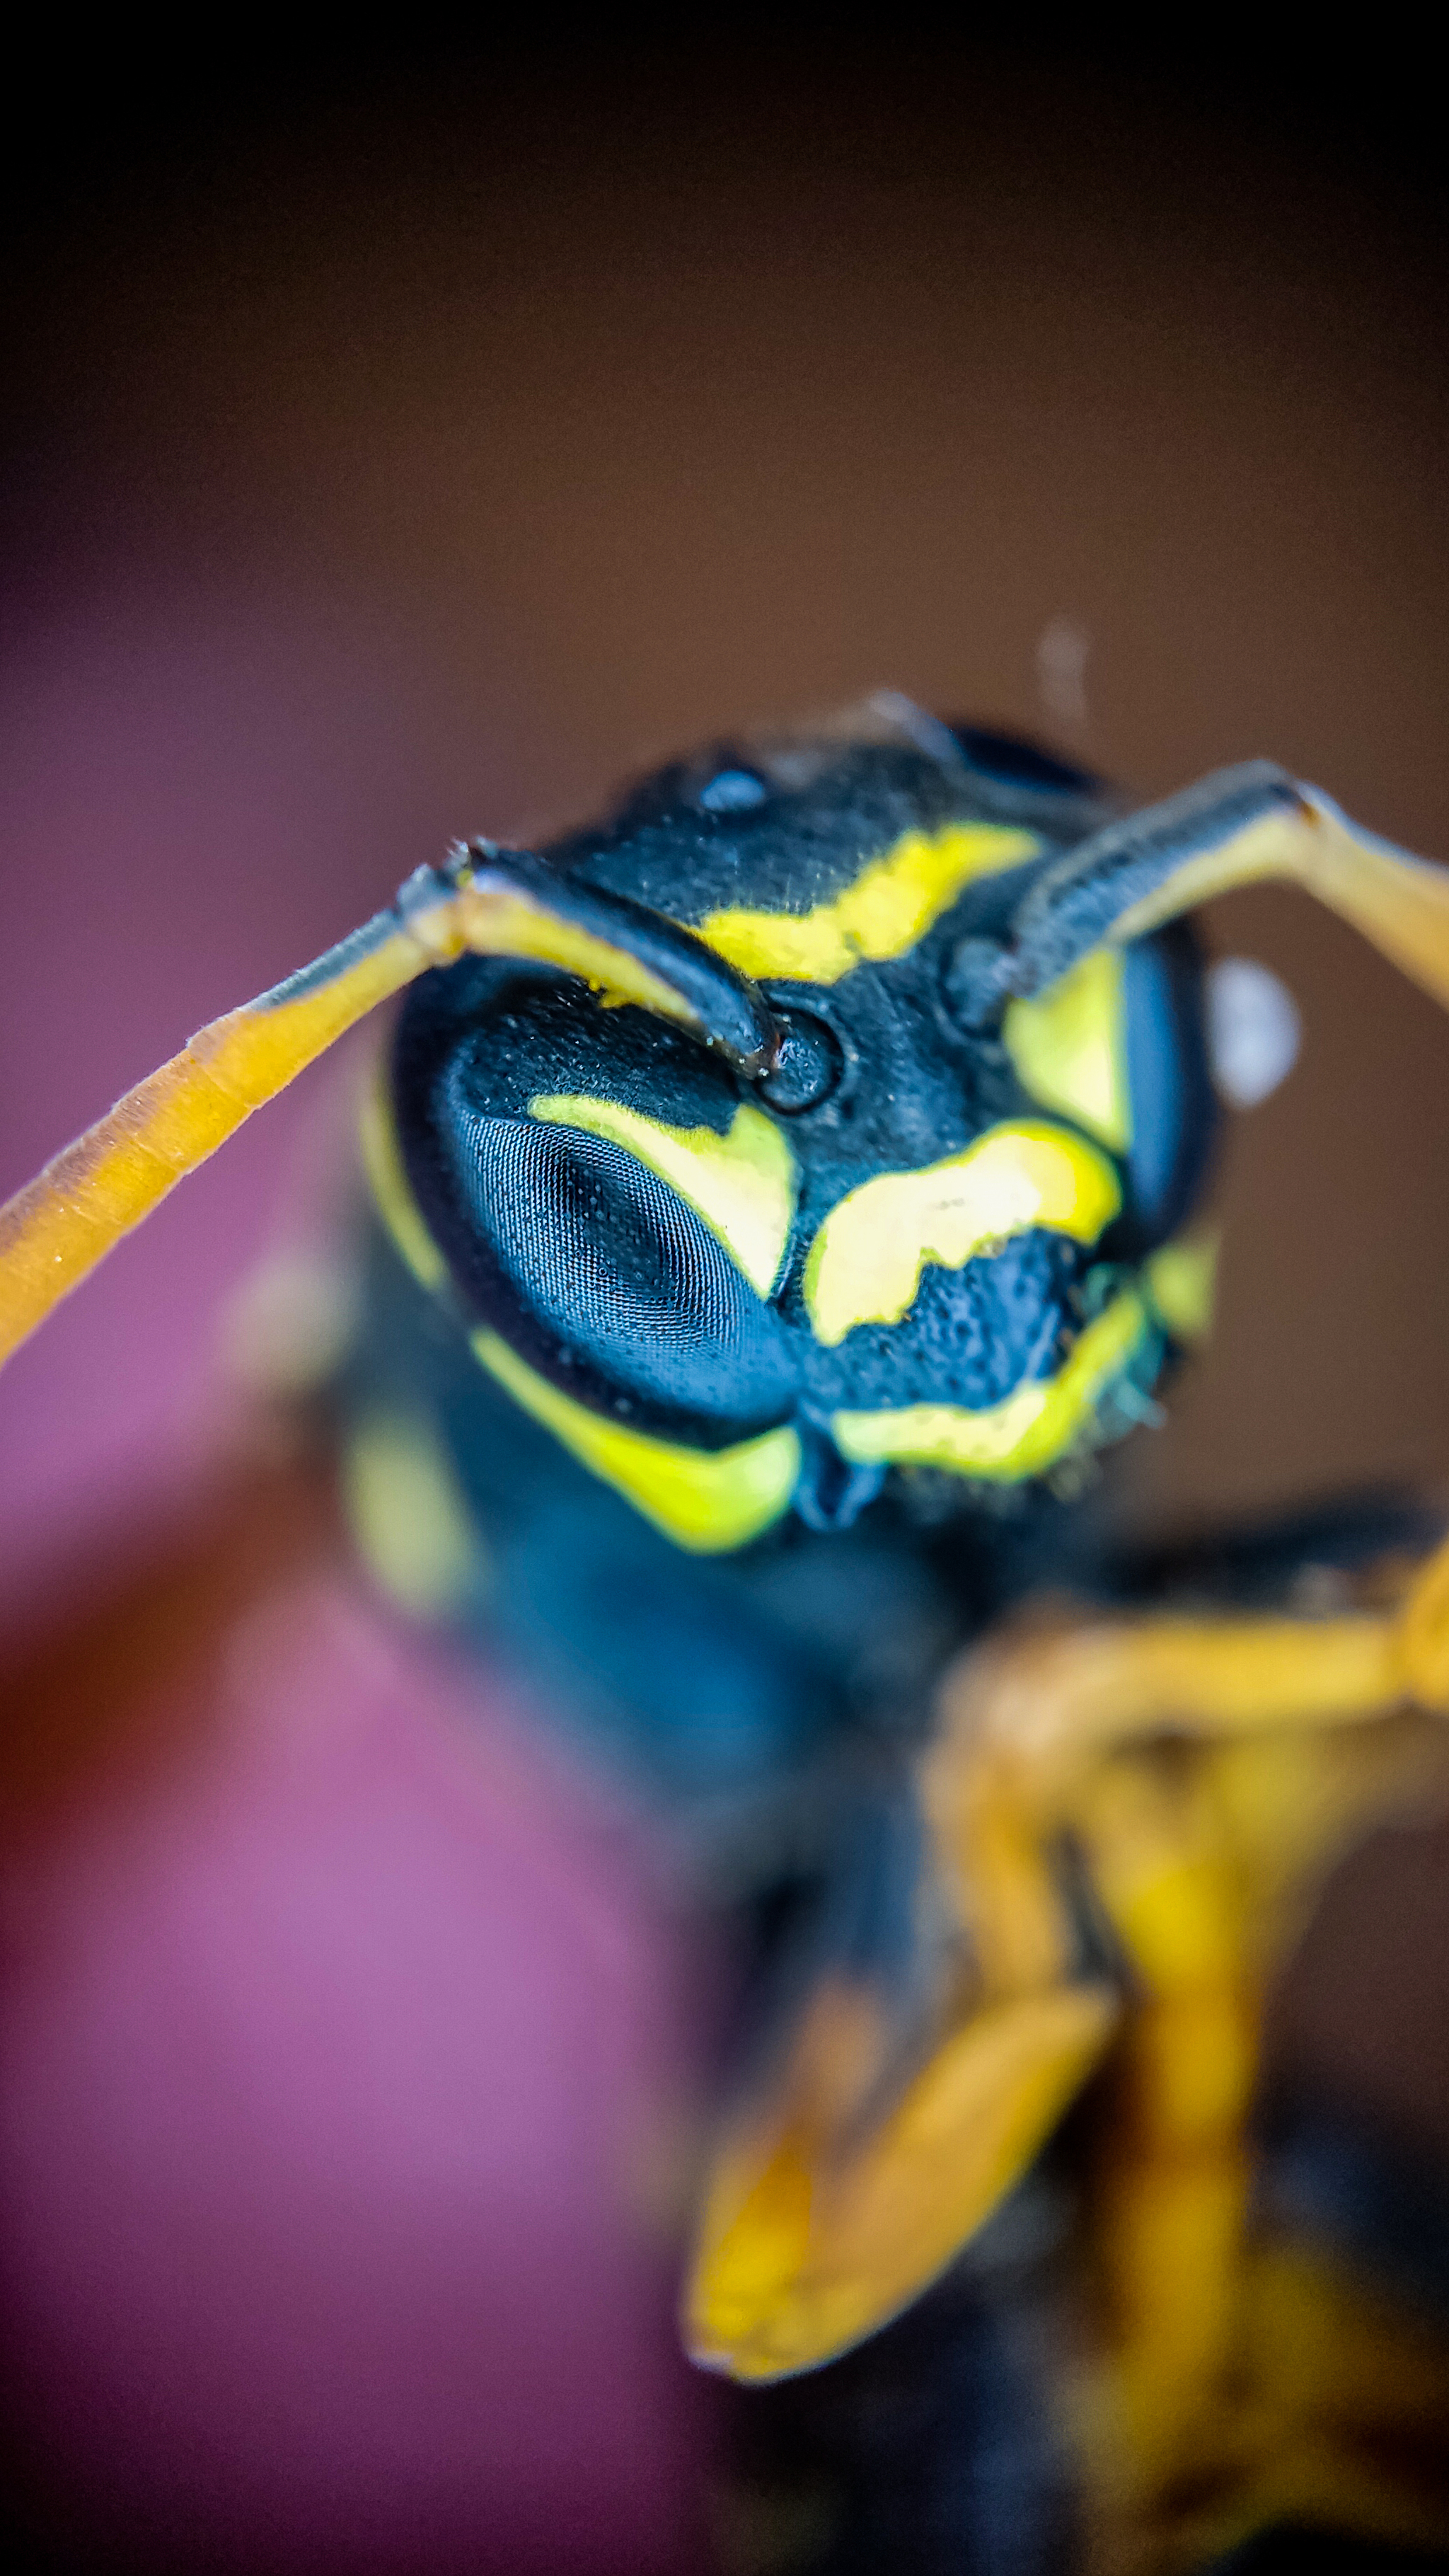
x,y
866,1261
707,1500
889,907
1069,1047
1025,1434
742,1184
1181,1281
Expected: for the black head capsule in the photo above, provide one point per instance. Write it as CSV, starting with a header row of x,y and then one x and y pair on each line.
x,y
727,1308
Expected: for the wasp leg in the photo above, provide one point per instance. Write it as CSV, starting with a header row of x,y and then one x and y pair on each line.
x,y
1209,1772
1206,1860
1168,2178
1047,1704
1349,2401
855,2175
812,2239
893,2118
835,2197
1042,1704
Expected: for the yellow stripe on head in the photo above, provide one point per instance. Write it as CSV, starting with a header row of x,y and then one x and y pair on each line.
x,y
1069,1048
742,1184
884,913
706,1500
866,1261
1024,1435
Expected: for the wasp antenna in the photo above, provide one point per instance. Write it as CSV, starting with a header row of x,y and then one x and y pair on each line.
x,y
55,1230
1239,827
512,903
492,902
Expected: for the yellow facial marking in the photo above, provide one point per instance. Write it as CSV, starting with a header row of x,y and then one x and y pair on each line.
x,y
1180,1281
890,906
1069,1047
1020,1437
742,1184
866,1261
705,1500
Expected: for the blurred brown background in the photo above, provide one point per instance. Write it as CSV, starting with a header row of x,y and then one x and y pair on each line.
x,y
412,444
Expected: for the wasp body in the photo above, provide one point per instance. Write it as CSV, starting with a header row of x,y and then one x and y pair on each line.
x,y
710,1298
781,1191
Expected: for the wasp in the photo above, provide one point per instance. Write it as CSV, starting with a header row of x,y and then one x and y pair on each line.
x,y
782,1189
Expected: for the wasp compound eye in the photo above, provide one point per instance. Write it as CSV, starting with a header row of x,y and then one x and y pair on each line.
x,y
808,1066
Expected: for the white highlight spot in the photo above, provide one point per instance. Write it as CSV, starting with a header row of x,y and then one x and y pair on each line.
x,y
1061,670
1253,1030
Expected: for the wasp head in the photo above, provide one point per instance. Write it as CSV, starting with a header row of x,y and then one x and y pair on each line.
x,y
921,1239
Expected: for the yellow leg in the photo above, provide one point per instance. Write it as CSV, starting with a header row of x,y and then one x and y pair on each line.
x,y
1207,1771
1055,1697
1169,2182
1351,2400
813,2236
